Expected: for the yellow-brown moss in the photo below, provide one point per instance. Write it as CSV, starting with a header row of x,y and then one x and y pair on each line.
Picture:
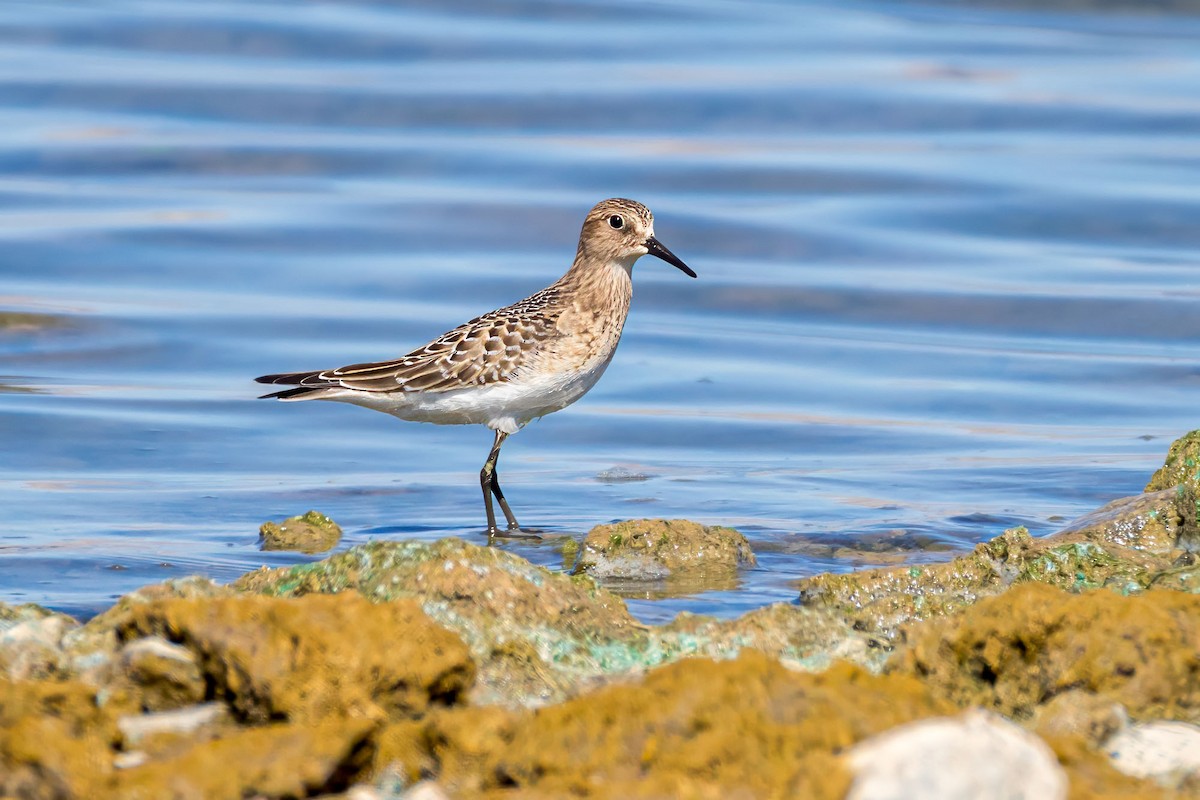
x,y
312,657
1092,777
1014,652
1182,466
275,761
670,549
311,532
492,599
55,741
698,728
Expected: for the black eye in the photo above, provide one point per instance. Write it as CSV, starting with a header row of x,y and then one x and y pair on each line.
x,y
616,221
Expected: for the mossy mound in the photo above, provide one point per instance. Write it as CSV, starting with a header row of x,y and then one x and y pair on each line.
x,y
1182,467
698,728
55,741
313,657
274,761
532,631
1128,548
685,555
805,639
311,532
1021,650
539,636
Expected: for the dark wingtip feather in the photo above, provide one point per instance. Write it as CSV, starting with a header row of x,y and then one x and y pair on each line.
x,y
287,393
284,377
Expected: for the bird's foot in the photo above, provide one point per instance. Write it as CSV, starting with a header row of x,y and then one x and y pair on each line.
x,y
513,532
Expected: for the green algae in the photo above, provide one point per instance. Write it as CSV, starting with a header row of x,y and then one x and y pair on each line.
x,y
570,630
1125,547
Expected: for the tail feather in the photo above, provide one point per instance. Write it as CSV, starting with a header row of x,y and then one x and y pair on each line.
x,y
287,378
297,379
288,394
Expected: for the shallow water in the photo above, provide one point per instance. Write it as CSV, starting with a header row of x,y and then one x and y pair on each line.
x,y
946,256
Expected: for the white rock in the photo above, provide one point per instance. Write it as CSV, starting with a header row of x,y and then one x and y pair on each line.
x,y
1165,751
975,756
426,790
177,721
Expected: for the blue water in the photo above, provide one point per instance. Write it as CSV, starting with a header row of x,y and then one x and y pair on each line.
x,y
947,259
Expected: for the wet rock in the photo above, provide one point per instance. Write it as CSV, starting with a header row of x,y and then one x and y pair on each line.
x,y
977,755
162,675
136,729
622,475
1168,752
274,761
426,790
1151,522
90,648
492,598
313,657
25,322
31,640
1182,467
1080,714
664,550
1183,575
539,636
1017,651
867,549
881,600
698,728
1127,549
55,741
802,638
311,532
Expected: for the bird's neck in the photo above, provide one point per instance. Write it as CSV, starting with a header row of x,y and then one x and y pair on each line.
x,y
608,277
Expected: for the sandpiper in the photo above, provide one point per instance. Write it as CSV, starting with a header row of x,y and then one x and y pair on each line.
x,y
514,364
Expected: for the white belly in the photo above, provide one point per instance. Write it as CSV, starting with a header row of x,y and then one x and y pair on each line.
x,y
501,406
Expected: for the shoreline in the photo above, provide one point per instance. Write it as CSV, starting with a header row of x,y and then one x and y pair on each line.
x,y
427,669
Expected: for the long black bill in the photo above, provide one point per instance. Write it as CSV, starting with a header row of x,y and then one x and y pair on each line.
x,y
656,249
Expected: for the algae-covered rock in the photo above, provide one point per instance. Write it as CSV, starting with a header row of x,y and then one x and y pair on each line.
x,y
675,551
539,636
742,728
274,761
31,641
881,600
313,657
1017,651
90,648
311,532
975,755
1080,714
807,639
491,598
141,730
55,741
1151,522
26,322
159,674
1126,547
1182,467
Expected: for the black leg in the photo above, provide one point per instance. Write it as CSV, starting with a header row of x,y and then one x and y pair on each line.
x,y
489,480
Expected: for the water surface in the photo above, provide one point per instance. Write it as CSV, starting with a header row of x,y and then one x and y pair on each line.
x,y
947,261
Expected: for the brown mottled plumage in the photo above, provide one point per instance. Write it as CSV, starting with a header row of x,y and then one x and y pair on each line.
x,y
516,363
